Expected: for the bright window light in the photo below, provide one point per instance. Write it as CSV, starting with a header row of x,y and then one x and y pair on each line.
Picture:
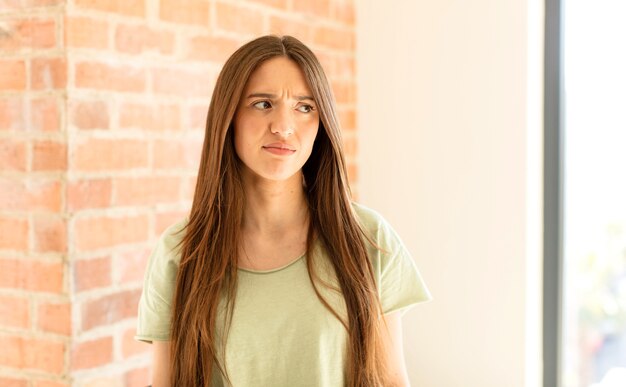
x,y
594,313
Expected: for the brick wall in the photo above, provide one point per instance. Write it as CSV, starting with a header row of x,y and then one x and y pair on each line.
x,y
102,109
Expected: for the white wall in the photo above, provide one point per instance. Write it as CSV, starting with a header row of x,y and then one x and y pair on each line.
x,y
450,152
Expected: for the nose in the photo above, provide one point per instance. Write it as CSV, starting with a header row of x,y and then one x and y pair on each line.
x,y
283,122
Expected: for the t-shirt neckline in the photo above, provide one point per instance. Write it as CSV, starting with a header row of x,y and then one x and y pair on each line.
x,y
270,271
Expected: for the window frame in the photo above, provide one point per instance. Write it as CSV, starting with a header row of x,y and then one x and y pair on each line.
x,y
553,195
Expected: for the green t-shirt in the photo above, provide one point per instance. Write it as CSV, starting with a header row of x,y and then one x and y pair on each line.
x,y
281,334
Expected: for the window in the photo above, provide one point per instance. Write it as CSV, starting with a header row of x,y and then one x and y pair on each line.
x,y
585,220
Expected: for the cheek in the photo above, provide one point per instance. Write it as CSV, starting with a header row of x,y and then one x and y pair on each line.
x,y
239,139
311,135
241,130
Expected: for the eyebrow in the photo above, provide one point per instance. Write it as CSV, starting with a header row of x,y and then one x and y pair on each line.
x,y
273,96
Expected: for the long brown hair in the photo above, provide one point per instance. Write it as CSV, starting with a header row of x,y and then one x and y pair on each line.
x,y
208,265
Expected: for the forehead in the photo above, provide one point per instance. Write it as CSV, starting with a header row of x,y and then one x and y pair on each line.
x,y
277,74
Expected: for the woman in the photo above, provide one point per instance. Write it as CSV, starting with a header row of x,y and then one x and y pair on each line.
x,y
276,278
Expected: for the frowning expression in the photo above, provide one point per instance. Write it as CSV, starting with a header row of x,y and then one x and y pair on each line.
x,y
276,121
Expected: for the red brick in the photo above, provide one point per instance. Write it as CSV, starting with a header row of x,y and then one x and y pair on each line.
x,y
12,155
139,377
124,7
104,381
350,146
48,73
212,48
347,118
49,156
145,190
149,117
12,115
31,275
345,92
36,3
343,11
344,67
177,154
29,353
197,116
50,234
90,114
166,219
281,4
41,3
353,172
334,38
139,38
327,61
131,266
30,195
21,113
132,347
241,20
95,75
103,232
92,273
136,115
287,26
29,34
55,318
45,114
182,82
12,75
110,154
166,117
13,233
84,194
50,383
189,188
14,312
85,32
316,9
42,34
185,11
110,309
90,354
5,382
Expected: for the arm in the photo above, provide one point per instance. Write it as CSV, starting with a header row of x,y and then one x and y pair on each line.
x,y
395,352
161,364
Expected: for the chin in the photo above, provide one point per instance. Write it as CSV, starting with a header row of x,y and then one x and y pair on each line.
x,y
279,175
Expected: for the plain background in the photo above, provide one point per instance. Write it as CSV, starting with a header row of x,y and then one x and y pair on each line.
x,y
450,103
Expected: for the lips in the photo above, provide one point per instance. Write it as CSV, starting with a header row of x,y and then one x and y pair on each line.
x,y
280,146
279,149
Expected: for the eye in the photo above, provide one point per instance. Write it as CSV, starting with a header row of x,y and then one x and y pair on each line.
x,y
263,105
305,108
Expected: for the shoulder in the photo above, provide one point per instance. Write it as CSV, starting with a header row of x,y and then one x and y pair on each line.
x,y
167,249
155,304
165,258
400,284
376,227
368,217
173,235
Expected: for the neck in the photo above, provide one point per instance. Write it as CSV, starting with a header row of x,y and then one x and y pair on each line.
x,y
273,207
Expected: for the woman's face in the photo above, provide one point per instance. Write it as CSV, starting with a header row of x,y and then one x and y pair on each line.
x,y
276,121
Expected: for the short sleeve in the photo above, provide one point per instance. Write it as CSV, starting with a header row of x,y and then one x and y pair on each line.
x,y
155,303
400,284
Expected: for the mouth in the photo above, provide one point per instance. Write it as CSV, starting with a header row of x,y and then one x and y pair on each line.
x,y
280,146
279,149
